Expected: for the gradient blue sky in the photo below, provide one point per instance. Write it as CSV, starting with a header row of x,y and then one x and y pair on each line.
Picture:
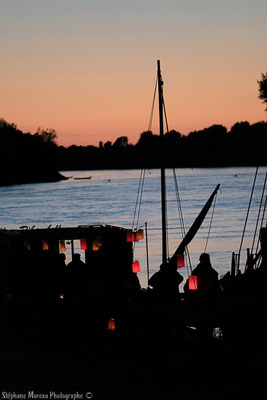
x,y
88,68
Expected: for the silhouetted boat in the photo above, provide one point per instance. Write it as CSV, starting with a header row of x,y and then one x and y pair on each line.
x,y
43,290
82,177
242,299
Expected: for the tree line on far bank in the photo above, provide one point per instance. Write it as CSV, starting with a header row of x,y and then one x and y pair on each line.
x,y
26,157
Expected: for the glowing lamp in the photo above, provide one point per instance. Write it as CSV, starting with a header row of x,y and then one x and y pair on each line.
x,y
136,266
135,236
62,245
45,245
180,261
111,324
192,283
83,244
97,244
140,234
27,245
131,236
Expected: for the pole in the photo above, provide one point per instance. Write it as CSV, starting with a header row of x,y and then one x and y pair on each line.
x,y
162,168
147,257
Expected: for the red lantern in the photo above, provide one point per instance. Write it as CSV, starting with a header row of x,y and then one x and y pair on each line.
x,y
180,261
62,245
192,283
111,324
132,236
136,266
83,244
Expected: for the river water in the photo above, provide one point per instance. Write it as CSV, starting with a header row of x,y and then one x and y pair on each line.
x,y
109,197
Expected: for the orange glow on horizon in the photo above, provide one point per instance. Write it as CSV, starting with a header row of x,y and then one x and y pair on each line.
x,y
91,75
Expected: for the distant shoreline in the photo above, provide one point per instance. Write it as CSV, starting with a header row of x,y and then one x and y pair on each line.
x,y
58,176
55,177
27,158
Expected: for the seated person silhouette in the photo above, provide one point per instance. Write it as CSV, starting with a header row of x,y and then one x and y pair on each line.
x,y
166,281
207,277
76,270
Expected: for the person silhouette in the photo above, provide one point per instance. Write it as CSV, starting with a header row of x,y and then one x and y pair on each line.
x,y
165,282
76,270
207,277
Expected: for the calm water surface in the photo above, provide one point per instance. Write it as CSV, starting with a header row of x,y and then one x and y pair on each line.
x,y
110,197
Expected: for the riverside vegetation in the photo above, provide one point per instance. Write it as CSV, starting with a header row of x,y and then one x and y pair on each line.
x,y
30,158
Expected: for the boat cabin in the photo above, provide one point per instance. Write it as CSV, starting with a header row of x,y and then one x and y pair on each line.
x,y
44,262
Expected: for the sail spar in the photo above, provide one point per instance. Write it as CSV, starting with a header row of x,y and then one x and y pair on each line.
x,y
195,227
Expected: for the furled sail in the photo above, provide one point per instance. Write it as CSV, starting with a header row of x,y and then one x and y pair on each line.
x,y
195,227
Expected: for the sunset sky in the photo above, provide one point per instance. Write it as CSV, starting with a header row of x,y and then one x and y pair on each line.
x,y
87,68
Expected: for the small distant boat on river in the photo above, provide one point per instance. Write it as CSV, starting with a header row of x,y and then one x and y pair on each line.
x,y
82,177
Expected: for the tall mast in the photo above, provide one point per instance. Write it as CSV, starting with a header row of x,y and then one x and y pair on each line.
x,y
162,168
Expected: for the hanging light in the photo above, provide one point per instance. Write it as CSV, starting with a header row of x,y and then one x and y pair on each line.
x,y
132,236
83,244
180,261
192,282
45,245
62,245
136,266
140,234
27,245
111,324
97,243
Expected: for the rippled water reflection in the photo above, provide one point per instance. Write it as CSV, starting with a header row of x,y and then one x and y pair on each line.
x,y
109,198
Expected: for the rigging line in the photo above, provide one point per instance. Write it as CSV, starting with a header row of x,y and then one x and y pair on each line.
x,y
165,114
211,219
153,106
140,200
179,201
180,213
142,174
167,128
250,200
256,227
263,216
147,254
138,203
262,221
137,197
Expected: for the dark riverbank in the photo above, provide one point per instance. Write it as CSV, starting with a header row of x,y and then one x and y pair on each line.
x,y
27,158
34,177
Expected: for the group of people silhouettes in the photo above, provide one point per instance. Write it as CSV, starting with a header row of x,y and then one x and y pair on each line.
x,y
79,279
166,281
